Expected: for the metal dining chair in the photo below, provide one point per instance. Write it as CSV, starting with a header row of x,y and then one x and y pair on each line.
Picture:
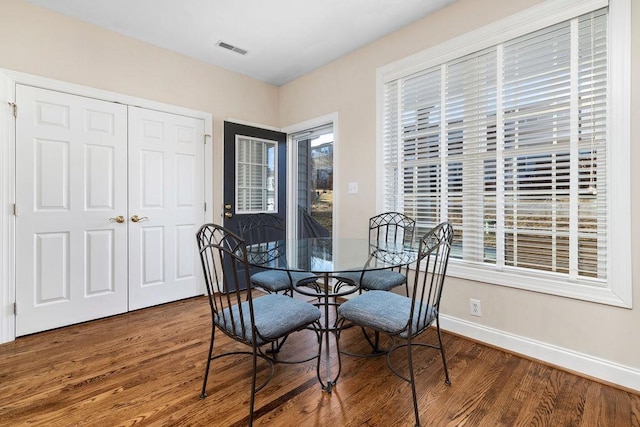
x,y
403,318
261,228
388,231
255,322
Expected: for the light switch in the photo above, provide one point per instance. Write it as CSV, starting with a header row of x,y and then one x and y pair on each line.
x,y
353,188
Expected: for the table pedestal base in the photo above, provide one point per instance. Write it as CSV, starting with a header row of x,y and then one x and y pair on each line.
x,y
327,302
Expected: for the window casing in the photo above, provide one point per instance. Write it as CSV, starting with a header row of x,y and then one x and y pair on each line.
x,y
510,141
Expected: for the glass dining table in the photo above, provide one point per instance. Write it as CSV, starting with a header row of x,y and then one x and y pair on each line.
x,y
327,258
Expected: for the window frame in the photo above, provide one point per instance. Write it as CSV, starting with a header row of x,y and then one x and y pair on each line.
x,y
618,289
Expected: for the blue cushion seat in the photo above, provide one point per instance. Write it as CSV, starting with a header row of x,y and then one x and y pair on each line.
x,y
381,280
278,280
275,316
387,312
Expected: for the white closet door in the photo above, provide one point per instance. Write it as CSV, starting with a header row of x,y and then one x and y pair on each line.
x,y
71,178
166,190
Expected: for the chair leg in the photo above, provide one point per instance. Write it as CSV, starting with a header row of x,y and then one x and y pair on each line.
x,y
253,385
375,343
413,382
447,381
277,345
203,394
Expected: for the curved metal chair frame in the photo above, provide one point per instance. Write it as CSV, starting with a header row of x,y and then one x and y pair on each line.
x,y
256,322
388,232
391,227
404,318
263,232
258,229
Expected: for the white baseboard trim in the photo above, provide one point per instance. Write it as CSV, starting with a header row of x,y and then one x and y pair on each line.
x,y
570,360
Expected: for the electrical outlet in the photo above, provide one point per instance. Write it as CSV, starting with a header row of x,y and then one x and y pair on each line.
x,y
475,308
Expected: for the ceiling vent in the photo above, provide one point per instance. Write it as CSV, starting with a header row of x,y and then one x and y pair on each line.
x,y
231,47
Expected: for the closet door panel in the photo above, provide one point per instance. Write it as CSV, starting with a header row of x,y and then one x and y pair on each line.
x,y
166,191
71,257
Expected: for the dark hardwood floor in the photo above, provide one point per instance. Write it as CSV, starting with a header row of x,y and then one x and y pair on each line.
x,y
146,368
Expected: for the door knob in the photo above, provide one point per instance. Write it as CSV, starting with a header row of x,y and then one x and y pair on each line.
x,y
227,206
119,219
137,218
228,214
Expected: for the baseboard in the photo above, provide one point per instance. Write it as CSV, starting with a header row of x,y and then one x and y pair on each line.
x,y
584,364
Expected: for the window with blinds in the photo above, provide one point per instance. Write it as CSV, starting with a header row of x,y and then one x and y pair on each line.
x,y
256,172
510,145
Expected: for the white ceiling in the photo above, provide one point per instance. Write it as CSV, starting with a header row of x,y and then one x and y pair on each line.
x,y
285,38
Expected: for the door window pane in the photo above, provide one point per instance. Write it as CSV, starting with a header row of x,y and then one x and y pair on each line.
x,y
256,172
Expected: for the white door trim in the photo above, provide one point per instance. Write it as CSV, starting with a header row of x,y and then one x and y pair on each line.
x,y
7,196
8,81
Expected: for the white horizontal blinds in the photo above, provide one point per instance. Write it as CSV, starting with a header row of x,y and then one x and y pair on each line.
x,y
551,222
393,192
592,138
470,117
509,145
537,120
419,147
255,174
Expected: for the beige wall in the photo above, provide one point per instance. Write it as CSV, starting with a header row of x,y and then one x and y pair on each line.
x,y
347,86
37,41
40,42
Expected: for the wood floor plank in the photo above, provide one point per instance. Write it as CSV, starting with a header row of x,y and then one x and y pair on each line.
x,y
146,368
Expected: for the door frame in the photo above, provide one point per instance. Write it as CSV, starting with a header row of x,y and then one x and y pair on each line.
x,y
8,81
292,168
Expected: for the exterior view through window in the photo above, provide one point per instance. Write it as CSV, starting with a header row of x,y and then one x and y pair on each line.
x,y
510,145
315,182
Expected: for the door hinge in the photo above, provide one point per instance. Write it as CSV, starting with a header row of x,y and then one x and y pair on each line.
x,y
205,206
15,209
206,135
14,109
15,308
